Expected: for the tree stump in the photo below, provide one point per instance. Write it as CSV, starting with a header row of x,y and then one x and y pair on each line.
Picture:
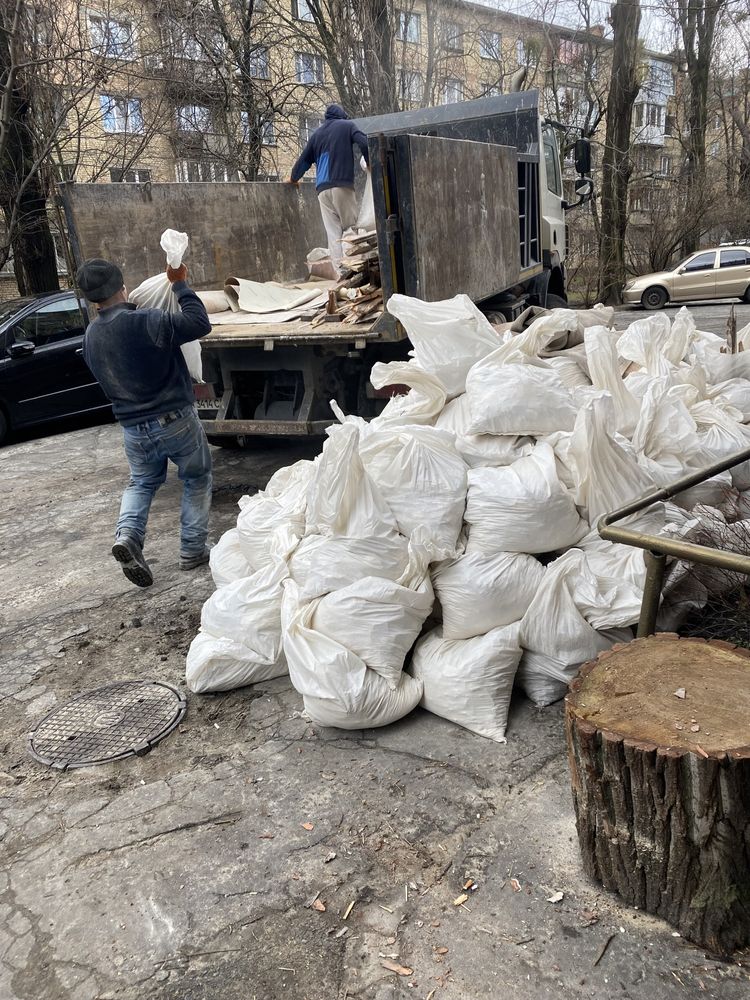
x,y
661,781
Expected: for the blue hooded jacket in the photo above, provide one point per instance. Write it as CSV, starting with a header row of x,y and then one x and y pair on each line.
x,y
330,148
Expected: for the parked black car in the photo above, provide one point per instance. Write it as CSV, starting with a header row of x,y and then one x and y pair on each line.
x,y
42,372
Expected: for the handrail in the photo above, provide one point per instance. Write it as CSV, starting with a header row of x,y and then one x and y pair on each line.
x,y
657,548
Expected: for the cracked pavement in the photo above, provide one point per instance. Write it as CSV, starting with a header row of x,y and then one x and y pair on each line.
x,y
187,874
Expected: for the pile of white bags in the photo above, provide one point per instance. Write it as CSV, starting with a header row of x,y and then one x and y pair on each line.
x,y
448,548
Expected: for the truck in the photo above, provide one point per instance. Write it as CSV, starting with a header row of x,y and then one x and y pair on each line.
x,y
468,199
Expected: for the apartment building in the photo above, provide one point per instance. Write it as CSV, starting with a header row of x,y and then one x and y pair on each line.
x,y
173,106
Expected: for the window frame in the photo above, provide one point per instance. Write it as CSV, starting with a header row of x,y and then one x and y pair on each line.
x,y
493,51
686,269
318,62
107,20
404,21
738,263
202,123
115,104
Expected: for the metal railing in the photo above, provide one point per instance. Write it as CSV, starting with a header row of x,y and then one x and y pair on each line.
x,y
657,548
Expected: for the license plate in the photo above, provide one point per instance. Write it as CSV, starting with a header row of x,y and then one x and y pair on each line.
x,y
207,404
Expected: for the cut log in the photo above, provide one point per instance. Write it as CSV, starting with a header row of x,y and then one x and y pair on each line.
x,y
659,748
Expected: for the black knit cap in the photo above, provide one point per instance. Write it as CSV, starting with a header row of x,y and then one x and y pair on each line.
x,y
99,279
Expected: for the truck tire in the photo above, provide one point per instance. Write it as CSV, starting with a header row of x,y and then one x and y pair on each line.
x,y
223,440
654,298
556,302
3,426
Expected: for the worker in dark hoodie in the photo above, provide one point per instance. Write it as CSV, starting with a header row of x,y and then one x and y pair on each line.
x,y
331,148
136,358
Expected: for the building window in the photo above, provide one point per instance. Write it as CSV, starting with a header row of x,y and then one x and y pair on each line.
x,y
570,52
655,115
121,114
408,26
638,114
112,38
194,118
258,65
136,175
453,37
489,44
301,11
521,55
307,125
267,130
718,122
714,149
410,87
268,133
665,165
491,90
643,158
182,43
190,171
310,69
453,91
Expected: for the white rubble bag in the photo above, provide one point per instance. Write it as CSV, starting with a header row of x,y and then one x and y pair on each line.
x,y
480,449
604,371
421,477
420,405
379,620
337,687
722,433
666,435
350,530
239,641
555,636
156,293
366,217
518,398
479,592
521,508
448,336
281,504
469,681
227,561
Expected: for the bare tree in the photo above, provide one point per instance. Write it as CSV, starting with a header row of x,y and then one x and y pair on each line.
x,y
617,166
697,21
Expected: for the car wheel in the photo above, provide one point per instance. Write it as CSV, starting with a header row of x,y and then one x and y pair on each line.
x,y
556,302
654,298
3,427
746,296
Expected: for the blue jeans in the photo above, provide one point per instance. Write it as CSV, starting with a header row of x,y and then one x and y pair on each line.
x,y
148,446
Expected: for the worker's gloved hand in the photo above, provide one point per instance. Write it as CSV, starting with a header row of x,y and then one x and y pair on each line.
x,y
292,182
177,273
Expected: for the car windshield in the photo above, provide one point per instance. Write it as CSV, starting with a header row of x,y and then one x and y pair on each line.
x,y
9,309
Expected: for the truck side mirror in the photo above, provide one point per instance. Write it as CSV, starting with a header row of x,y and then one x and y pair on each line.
x,y
583,156
584,188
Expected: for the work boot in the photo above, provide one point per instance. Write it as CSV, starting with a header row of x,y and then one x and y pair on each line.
x,y
130,556
193,562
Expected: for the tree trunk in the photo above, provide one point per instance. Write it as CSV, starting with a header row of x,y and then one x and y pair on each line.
x,y
377,38
617,167
659,750
697,20
24,204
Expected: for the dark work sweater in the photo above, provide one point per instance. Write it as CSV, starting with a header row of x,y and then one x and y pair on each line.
x,y
135,356
330,148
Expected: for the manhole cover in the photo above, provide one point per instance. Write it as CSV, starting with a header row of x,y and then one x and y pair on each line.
x,y
107,724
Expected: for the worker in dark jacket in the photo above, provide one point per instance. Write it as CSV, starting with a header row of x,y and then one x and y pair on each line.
x,y
136,358
330,148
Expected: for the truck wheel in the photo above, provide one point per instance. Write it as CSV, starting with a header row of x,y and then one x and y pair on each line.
x,y
223,440
556,302
3,427
654,298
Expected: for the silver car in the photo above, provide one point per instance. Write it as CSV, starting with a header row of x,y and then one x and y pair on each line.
x,y
722,273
